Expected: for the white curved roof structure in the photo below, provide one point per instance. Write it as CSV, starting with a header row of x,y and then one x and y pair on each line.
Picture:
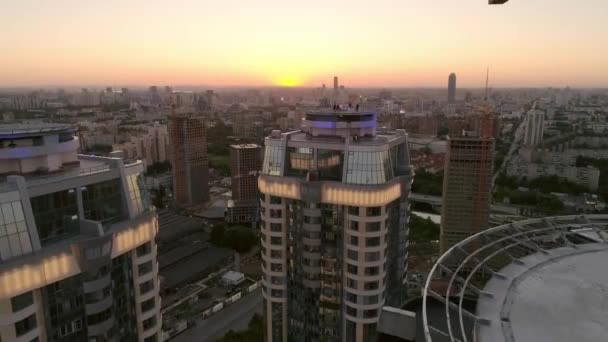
x,y
531,281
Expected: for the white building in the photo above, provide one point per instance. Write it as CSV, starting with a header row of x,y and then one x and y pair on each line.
x,y
534,127
77,243
587,176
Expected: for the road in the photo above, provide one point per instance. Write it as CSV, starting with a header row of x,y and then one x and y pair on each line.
x,y
235,317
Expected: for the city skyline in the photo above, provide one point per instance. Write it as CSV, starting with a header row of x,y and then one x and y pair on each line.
x,y
393,44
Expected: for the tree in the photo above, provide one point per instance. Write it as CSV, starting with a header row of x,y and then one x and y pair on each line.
x,y
159,197
428,183
423,229
239,238
254,332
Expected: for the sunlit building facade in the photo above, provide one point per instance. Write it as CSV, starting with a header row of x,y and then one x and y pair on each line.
x,y
334,223
77,250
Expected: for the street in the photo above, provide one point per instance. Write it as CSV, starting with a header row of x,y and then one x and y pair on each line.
x,y
235,317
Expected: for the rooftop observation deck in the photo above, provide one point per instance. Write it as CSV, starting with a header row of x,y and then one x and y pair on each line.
x,y
532,281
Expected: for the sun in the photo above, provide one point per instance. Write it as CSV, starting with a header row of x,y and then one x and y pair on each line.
x,y
288,81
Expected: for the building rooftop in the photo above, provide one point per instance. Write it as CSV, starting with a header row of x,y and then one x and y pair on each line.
x,y
549,283
244,146
25,130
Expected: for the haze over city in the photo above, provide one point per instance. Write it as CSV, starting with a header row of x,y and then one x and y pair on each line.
x,y
371,44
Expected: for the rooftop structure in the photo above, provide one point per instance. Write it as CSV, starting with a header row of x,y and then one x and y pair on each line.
x,y
536,280
26,149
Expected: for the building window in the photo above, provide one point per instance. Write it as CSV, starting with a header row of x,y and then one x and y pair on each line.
x,y
103,201
144,268
374,211
275,200
146,287
352,269
22,301
370,299
275,213
25,325
351,311
276,254
372,256
149,323
372,226
276,267
371,285
14,238
354,225
148,304
371,271
353,240
351,283
370,313
352,255
144,249
368,167
56,215
372,242
351,297
138,195
353,211
276,241
273,160
276,227
151,338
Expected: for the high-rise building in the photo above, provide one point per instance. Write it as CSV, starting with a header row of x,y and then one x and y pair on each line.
x,y
334,212
335,83
189,162
245,165
452,88
534,128
467,184
77,242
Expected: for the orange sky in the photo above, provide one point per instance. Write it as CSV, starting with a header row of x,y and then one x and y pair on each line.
x,y
366,43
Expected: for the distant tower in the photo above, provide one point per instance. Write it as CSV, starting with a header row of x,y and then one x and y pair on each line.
x,y
452,88
335,82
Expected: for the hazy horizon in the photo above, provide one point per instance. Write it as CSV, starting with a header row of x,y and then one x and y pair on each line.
x,y
384,44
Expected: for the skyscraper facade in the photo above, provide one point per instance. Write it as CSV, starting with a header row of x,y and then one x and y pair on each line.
x,y
534,128
77,242
189,161
245,165
467,184
334,212
452,88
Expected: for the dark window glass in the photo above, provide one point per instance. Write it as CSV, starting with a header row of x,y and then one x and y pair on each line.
x,y
22,301
146,287
148,305
56,215
144,249
103,201
25,325
374,211
149,323
372,242
372,226
144,268
353,210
